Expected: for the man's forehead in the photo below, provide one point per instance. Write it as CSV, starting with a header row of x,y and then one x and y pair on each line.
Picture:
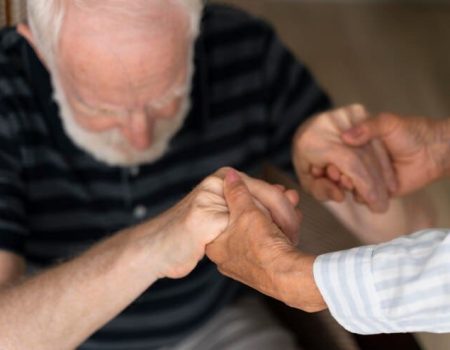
x,y
102,53
88,39
152,9
124,17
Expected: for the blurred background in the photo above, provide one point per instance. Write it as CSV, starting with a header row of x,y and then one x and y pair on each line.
x,y
389,55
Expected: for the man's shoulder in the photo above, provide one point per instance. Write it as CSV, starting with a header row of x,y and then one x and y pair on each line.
x,y
223,18
10,43
14,88
11,61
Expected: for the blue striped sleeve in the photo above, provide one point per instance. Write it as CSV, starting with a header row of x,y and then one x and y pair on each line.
x,y
400,286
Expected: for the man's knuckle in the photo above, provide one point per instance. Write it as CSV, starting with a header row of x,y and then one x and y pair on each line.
x,y
359,108
200,200
212,183
191,219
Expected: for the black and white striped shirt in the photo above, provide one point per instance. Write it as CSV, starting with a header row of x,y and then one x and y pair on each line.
x,y
249,96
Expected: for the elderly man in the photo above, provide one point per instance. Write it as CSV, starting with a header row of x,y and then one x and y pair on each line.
x,y
398,286
145,109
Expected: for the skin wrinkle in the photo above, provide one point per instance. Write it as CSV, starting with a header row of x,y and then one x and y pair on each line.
x,y
134,10
84,79
139,82
137,78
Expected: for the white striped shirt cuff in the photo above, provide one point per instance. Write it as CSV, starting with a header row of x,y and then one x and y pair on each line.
x,y
346,282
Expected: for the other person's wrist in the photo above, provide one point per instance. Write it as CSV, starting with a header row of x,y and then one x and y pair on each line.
x,y
295,279
441,146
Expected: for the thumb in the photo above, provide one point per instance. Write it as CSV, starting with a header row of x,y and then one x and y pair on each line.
x,y
364,132
236,194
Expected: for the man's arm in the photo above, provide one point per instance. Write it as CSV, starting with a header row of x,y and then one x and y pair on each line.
x,y
12,267
61,307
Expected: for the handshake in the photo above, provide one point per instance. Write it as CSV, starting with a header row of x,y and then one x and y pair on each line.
x,y
244,225
250,228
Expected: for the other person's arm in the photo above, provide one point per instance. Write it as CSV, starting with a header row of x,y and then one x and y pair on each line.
x,y
330,157
327,167
400,286
334,160
418,147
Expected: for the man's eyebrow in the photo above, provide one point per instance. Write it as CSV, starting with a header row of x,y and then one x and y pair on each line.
x,y
174,91
97,108
179,85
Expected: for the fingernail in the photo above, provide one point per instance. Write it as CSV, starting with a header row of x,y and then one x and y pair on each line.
x,y
232,176
355,132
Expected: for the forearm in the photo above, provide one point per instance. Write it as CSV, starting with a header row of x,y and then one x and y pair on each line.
x,y
405,215
60,308
12,268
441,145
295,284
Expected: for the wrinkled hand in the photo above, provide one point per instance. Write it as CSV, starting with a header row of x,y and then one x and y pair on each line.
x,y
327,167
254,251
417,147
186,229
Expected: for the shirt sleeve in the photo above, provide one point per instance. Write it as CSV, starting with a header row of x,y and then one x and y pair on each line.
x,y
292,95
400,286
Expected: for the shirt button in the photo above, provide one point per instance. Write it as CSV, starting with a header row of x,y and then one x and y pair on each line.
x,y
134,171
140,212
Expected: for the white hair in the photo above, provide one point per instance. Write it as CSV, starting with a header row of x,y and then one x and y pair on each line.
x,y
45,18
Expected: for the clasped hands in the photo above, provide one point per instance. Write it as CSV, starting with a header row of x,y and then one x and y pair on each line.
x,y
250,228
374,158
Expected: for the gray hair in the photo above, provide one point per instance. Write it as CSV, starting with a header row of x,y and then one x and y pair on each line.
x,y
45,18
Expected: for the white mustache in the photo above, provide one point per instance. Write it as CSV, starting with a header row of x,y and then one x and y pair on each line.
x,y
110,146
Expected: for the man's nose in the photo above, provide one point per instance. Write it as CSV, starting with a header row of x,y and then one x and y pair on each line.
x,y
140,130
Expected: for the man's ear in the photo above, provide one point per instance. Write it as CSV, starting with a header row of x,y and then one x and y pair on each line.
x,y
24,30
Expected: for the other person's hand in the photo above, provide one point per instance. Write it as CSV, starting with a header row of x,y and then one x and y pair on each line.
x,y
418,147
327,167
254,251
184,230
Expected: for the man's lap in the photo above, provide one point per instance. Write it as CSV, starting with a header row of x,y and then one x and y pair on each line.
x,y
244,325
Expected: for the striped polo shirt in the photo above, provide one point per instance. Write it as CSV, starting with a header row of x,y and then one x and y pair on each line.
x,y
249,96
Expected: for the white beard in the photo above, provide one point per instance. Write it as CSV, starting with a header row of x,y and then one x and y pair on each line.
x,y
110,146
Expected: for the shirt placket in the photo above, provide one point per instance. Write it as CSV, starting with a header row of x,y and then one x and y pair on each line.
x,y
138,211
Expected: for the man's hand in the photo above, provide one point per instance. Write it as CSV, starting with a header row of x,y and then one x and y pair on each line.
x,y
186,229
327,167
419,148
254,251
